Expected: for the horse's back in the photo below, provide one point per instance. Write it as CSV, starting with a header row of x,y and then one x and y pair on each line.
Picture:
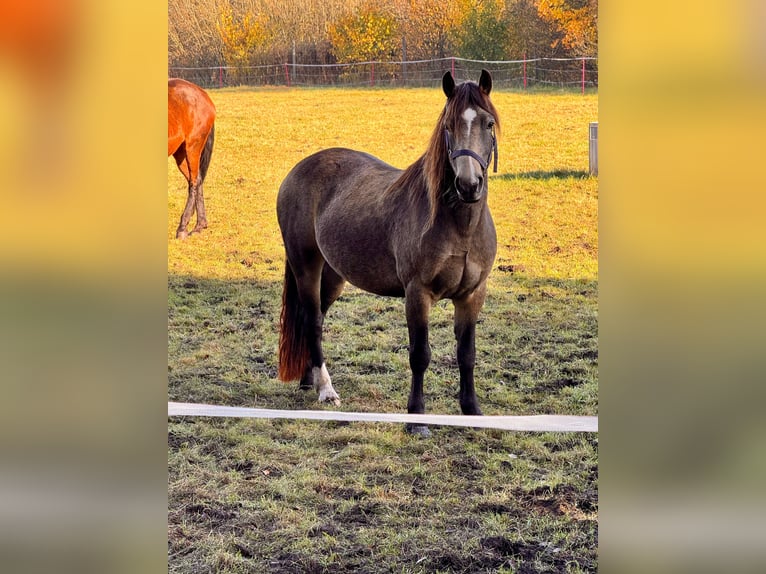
x,y
329,175
191,113
184,93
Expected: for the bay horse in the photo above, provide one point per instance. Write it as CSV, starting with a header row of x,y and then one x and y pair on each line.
x,y
424,233
191,132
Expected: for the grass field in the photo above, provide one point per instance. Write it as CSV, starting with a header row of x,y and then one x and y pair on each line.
x,y
293,496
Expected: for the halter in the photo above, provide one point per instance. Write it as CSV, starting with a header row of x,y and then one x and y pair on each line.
x,y
470,153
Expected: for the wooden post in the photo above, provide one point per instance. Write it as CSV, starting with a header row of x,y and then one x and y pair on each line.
x,y
287,75
583,75
525,71
404,61
593,149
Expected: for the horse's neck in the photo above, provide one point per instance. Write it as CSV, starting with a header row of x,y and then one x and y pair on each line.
x,y
460,226
468,219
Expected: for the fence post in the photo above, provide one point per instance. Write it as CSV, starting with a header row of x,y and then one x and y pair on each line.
x,y
404,61
525,71
287,75
372,74
593,149
220,76
453,66
583,75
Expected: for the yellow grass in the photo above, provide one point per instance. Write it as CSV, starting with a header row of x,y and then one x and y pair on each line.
x,y
543,202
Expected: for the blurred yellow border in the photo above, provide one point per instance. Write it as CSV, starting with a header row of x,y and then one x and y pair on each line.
x,y
81,120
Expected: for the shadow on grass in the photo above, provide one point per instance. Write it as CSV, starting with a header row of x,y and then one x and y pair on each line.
x,y
546,175
223,340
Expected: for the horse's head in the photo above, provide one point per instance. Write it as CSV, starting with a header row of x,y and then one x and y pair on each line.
x,y
469,134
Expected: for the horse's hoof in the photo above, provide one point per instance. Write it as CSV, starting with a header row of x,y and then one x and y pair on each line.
x,y
329,396
421,431
181,235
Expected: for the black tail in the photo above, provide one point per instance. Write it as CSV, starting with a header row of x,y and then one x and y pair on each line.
x,y
207,153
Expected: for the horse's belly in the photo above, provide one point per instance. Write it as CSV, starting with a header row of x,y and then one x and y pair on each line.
x,y
366,272
363,260
388,289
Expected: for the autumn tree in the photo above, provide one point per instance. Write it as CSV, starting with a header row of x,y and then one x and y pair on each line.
x,y
366,35
576,22
429,27
483,34
528,33
302,24
193,39
242,35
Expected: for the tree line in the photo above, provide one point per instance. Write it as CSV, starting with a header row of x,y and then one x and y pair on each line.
x,y
241,33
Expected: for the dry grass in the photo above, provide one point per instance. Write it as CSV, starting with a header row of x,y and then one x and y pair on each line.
x,y
261,134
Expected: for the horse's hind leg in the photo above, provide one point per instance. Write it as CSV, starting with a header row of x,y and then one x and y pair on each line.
x,y
200,207
184,165
310,285
332,287
204,163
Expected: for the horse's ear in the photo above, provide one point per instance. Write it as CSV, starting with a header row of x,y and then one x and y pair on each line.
x,y
448,85
485,82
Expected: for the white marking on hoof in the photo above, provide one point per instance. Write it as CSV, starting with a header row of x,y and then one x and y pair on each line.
x,y
323,385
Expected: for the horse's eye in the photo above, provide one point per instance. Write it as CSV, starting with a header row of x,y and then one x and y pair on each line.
x,y
490,124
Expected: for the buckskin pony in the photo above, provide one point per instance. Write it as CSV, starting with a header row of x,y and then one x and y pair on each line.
x,y
191,132
424,233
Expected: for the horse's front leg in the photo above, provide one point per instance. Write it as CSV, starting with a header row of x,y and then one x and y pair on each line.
x,y
466,314
418,306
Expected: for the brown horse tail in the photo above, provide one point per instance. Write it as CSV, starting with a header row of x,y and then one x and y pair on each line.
x,y
207,153
293,347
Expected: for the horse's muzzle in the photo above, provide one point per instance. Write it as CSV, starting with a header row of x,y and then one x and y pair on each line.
x,y
469,191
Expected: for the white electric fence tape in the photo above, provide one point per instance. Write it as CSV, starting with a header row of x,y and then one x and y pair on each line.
x,y
533,423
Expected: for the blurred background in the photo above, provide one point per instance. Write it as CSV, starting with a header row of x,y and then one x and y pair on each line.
x,y
682,270
82,286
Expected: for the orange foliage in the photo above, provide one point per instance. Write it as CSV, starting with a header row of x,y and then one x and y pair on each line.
x,y
577,23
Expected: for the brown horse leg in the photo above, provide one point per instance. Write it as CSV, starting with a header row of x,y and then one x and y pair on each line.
x,y
316,375
204,163
184,166
466,313
418,307
330,289
181,233
200,206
